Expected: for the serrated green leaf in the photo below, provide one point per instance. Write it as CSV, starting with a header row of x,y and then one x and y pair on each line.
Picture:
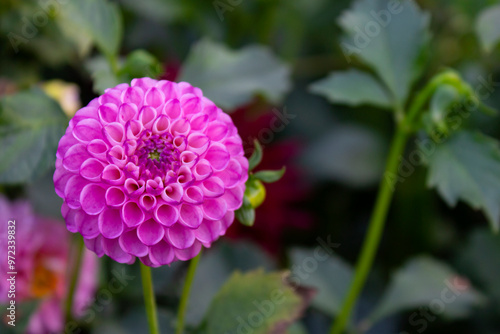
x,y
331,278
246,214
391,44
270,176
100,19
31,125
423,281
256,157
262,302
352,87
467,167
487,27
440,104
232,78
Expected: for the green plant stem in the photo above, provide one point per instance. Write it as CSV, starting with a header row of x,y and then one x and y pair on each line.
x,y
375,229
75,273
185,293
149,299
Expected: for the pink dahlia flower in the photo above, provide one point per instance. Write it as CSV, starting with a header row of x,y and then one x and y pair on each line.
x,y
152,170
41,262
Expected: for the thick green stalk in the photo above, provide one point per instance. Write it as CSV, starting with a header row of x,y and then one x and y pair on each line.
x,y
149,299
375,229
185,293
75,273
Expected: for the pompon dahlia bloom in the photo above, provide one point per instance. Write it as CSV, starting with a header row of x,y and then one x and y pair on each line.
x,y
42,254
152,170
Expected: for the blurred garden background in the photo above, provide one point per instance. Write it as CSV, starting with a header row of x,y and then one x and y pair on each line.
x,y
319,84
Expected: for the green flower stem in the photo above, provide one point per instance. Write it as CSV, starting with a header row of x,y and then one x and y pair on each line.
x,y
185,293
149,299
405,127
75,273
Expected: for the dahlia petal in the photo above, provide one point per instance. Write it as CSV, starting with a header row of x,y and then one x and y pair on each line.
x,y
188,158
147,202
234,145
116,155
74,157
95,245
198,143
113,250
115,133
180,143
161,124
227,220
93,199
150,232
115,197
208,231
172,193
168,88
87,130
133,129
172,109
146,260
113,175
74,220
218,156
166,214
210,109
180,126
214,209
110,223
161,253
92,169
188,253
127,112
143,83
67,141
231,175
212,187
191,104
111,96
98,149
234,197
107,113
89,228
202,170
199,122
131,244
190,215
185,88
180,237
154,97
193,195
147,116
73,190
61,178
132,214
132,95
216,131
134,188
185,176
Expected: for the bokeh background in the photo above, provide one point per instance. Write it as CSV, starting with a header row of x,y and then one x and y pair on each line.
x,y
257,60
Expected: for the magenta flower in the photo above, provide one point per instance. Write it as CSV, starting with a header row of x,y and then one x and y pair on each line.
x,y
41,263
153,170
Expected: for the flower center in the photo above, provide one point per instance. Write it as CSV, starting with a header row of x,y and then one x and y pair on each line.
x,y
154,155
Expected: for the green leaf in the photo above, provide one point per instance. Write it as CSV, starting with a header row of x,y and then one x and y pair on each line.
x,y
232,78
352,87
331,277
102,74
31,125
270,176
246,214
440,104
100,19
255,301
141,63
426,282
389,37
487,27
256,157
467,167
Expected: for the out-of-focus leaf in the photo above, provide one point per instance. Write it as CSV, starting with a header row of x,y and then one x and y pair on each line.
x,y
390,41
100,19
423,281
349,154
352,87
31,125
141,63
162,11
487,27
257,301
467,167
215,268
232,78
256,157
440,103
102,75
134,321
325,271
480,259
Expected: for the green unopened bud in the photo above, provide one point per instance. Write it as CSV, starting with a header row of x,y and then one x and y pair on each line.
x,y
255,192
